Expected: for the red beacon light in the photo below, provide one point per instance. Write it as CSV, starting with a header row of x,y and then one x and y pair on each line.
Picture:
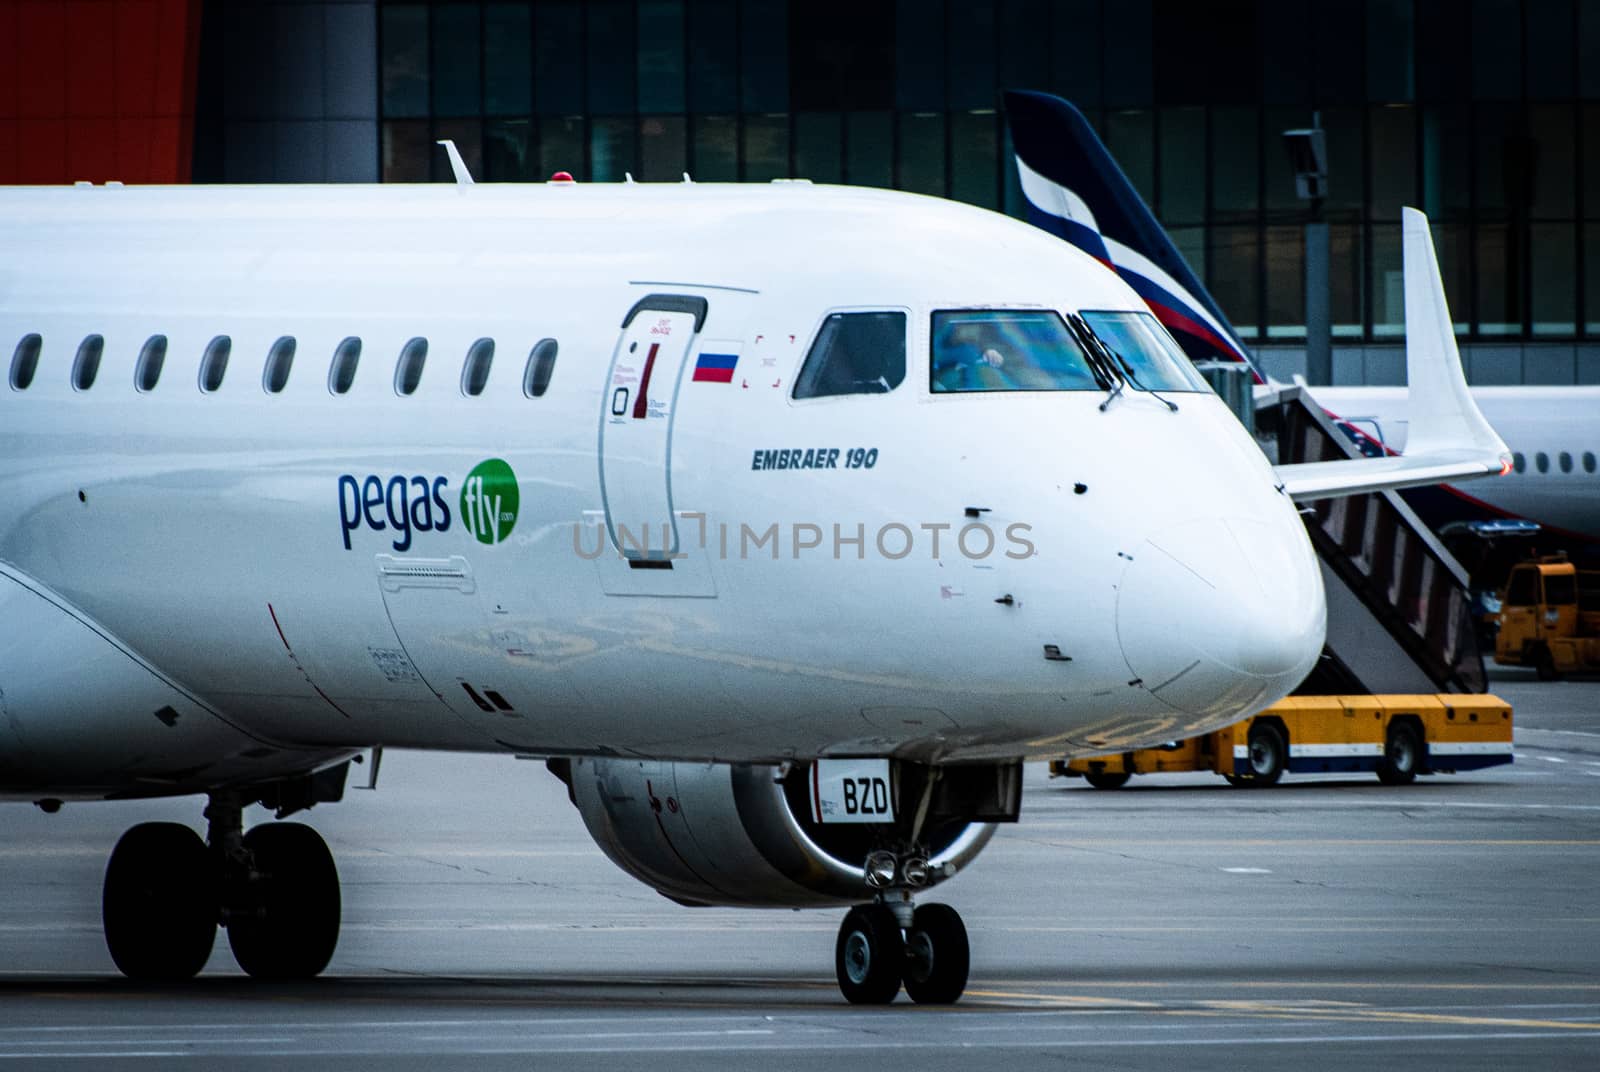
x,y
562,176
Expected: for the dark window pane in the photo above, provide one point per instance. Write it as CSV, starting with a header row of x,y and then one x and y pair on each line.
x,y
1345,275
1453,248
558,57
1591,279
456,58
1496,49
818,144
1550,48
1589,48
1286,282
766,147
1499,284
407,150
1285,54
1235,267
1207,52
919,36
1555,161
1346,159
1337,45
661,76
25,362
921,165
855,353
1393,157
970,48
974,158
214,365
561,142
405,60
1183,183
1024,32
468,136
1191,245
1500,155
508,154
1278,173
611,149
1554,275
475,370
868,136
713,55
611,51
764,54
541,366
342,370
1446,164
1390,76
663,153
408,370
1127,54
1130,136
841,54
716,149
1076,53
1388,282
1235,164
507,59
152,356
1442,45
1591,160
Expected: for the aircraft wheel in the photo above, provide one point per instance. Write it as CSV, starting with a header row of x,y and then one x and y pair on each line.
x,y
159,903
869,956
1107,779
1402,755
286,924
937,956
1269,755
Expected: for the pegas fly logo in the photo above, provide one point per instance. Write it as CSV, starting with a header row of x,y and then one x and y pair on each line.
x,y
406,505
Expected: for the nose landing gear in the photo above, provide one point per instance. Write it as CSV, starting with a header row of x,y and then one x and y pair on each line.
x,y
891,942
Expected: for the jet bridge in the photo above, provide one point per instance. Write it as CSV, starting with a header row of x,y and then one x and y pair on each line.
x,y
1399,607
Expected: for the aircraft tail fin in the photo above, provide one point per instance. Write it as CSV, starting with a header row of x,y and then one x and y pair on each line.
x,y
1448,437
1076,191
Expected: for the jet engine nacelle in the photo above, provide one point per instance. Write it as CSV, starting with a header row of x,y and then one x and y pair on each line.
x,y
719,834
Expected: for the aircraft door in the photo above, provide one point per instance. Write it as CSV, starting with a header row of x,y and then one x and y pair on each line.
x,y
636,424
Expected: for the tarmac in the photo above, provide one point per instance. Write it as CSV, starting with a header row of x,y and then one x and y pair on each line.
x,y
1332,922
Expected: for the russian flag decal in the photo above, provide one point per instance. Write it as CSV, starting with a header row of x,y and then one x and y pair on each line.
x,y
715,368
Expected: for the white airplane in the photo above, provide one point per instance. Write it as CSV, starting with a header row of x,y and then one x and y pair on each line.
x,y
1076,190
786,521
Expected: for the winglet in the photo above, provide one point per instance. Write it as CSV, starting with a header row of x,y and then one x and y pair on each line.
x,y
458,166
1448,438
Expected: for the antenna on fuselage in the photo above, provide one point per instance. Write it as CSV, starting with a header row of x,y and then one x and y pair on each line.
x,y
458,166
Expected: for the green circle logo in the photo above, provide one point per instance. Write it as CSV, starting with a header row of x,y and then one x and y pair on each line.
x,y
489,501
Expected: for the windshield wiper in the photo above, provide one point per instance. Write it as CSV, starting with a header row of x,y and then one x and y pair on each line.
x,y
1124,369
1106,374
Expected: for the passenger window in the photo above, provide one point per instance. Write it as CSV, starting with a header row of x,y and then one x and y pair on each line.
x,y
87,365
280,359
342,373
408,371
1519,462
1007,350
152,355
855,354
214,365
1565,460
25,362
1541,461
1588,458
541,366
475,373
1523,589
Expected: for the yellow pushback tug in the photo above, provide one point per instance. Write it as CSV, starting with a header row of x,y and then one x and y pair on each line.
x,y
1397,737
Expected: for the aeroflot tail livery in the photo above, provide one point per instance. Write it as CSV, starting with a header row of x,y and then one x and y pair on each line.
x,y
1076,191
784,521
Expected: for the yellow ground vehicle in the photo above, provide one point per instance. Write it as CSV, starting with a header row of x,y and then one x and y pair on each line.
x,y
1550,618
1398,737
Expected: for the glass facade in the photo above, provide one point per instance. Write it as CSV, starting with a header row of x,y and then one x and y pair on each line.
x,y
1484,113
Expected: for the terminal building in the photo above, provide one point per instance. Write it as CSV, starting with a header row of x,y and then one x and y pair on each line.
x,y
1484,113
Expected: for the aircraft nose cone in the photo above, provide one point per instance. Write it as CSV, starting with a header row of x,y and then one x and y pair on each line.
x,y
1215,615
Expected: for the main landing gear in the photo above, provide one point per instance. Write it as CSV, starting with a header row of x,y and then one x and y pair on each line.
x,y
892,942
274,888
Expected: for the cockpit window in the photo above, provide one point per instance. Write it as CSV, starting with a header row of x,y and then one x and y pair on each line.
x,y
1147,351
1007,350
855,354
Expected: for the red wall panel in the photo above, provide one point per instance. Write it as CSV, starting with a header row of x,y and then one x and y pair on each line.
x,y
97,90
